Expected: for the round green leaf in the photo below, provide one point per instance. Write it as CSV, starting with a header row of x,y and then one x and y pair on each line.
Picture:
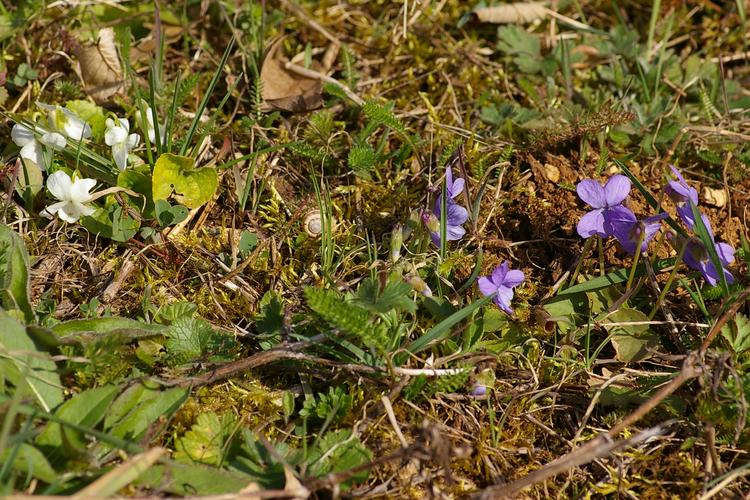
x,y
176,177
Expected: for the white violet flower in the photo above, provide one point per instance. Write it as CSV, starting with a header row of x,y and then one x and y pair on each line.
x,y
66,122
31,147
117,137
72,195
150,128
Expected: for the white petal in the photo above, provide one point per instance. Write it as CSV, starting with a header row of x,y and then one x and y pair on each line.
x,y
32,152
69,212
54,140
47,107
21,134
79,192
120,154
75,127
115,135
133,140
124,124
84,210
52,209
60,185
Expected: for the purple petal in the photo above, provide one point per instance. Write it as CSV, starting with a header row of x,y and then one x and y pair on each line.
x,y
686,214
456,214
455,188
618,218
726,253
592,193
454,233
486,286
499,273
680,188
503,298
513,278
616,190
592,223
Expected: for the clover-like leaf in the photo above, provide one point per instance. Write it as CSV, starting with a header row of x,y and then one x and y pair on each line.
x,y
176,177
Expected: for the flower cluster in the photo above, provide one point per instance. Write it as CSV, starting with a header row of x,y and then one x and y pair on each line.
x,y
38,143
610,217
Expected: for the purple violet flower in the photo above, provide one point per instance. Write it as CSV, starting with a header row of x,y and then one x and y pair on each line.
x,y
681,194
456,216
696,257
453,187
606,202
628,231
502,281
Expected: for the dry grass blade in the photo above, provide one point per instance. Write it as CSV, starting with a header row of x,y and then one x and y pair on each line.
x,y
522,12
100,67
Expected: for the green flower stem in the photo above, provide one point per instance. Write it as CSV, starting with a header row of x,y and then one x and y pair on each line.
x,y
672,274
637,255
586,250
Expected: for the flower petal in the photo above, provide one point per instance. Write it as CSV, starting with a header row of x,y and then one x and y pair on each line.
x,y
591,192
454,233
68,212
513,278
79,192
726,253
21,135
616,190
120,155
592,223
486,286
503,298
618,219
52,209
457,214
499,273
32,152
60,185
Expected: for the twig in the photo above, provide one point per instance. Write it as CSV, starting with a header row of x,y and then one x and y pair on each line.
x,y
325,78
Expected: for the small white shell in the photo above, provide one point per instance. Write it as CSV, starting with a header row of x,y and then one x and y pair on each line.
x,y
313,224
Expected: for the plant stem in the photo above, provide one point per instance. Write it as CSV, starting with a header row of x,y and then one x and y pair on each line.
x,y
586,249
672,274
635,258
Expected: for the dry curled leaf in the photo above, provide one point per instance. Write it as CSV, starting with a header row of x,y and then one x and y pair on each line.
x,y
100,67
521,12
284,90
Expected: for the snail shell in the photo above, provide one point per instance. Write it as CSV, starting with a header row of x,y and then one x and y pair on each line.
x,y
313,223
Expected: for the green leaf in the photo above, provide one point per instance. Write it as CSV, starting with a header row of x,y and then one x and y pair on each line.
x,y
737,333
79,330
138,180
708,242
613,278
29,461
443,329
169,215
14,274
339,451
27,368
270,321
383,116
169,313
362,159
176,177
395,295
86,409
193,479
207,440
631,341
248,242
111,221
92,114
139,407
191,338
346,316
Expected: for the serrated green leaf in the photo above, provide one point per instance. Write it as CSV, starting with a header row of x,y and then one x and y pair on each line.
x,y
176,177
737,333
207,440
339,451
395,295
171,312
190,338
383,116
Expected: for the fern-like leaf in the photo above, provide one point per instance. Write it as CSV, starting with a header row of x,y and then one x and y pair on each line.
x,y
383,116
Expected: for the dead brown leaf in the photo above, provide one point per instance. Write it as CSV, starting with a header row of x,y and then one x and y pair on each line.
x,y
521,12
100,67
284,90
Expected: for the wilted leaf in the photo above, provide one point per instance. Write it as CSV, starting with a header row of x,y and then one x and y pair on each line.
x,y
100,66
30,178
284,90
176,177
521,12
